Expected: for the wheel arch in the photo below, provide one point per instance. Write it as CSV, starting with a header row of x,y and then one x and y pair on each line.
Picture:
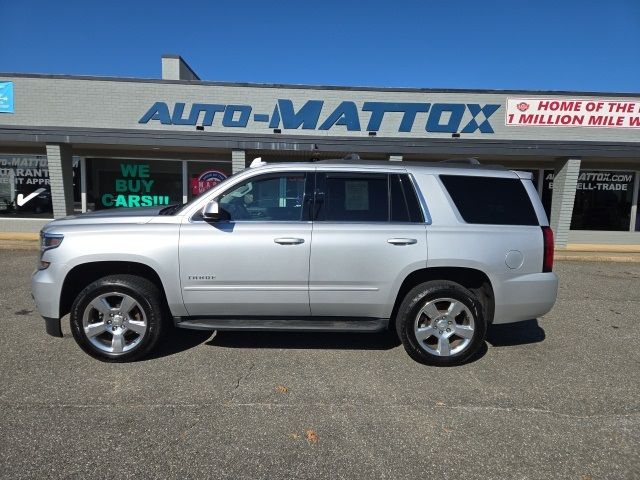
x,y
85,273
473,279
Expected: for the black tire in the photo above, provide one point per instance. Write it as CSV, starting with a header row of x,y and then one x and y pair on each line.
x,y
420,296
144,292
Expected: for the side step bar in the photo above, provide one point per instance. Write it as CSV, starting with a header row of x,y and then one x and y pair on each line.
x,y
311,324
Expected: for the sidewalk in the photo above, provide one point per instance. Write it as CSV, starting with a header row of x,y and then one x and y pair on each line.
x,y
573,252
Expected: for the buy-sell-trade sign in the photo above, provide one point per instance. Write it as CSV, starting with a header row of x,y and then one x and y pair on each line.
x,y
6,97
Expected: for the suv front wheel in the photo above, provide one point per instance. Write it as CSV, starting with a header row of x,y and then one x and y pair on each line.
x,y
441,323
117,318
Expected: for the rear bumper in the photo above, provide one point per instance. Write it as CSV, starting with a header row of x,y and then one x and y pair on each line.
x,y
524,297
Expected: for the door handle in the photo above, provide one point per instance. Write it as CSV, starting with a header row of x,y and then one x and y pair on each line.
x,y
402,241
288,241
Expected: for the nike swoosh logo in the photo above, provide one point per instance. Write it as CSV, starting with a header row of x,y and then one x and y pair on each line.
x,y
21,200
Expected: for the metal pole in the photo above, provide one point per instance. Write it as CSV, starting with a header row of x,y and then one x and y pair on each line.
x,y
634,203
185,184
83,184
540,181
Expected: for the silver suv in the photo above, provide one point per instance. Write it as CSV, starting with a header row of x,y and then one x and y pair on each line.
x,y
435,252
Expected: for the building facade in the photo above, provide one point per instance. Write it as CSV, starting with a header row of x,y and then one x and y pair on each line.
x,y
73,144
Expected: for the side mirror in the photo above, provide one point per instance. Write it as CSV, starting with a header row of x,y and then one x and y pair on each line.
x,y
212,212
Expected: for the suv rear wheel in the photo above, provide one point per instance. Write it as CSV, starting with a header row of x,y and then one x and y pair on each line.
x,y
441,323
117,318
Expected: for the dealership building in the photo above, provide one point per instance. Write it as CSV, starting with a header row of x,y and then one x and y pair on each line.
x,y
71,144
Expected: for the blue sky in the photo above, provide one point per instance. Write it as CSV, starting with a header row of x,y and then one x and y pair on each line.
x,y
534,45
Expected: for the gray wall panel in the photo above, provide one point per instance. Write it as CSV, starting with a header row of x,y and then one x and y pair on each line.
x,y
113,104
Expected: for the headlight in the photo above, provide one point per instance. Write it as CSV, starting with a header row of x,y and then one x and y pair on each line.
x,y
47,242
50,240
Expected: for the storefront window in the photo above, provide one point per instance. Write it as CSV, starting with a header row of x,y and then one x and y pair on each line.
x,y
24,186
603,199
113,183
205,175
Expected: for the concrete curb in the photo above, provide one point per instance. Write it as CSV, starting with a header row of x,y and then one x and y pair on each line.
x,y
599,248
19,245
598,257
19,241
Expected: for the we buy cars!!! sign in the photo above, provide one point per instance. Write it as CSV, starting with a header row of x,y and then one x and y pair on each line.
x,y
554,112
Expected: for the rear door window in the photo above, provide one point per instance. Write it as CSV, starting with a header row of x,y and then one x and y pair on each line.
x,y
352,197
490,200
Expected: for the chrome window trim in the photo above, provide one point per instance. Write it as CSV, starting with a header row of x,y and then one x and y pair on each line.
x,y
421,200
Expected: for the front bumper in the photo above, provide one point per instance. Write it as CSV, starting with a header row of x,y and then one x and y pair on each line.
x,y
46,293
52,326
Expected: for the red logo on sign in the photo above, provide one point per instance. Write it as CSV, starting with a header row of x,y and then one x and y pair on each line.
x,y
205,181
523,106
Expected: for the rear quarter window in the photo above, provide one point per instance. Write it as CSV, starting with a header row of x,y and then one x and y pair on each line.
x,y
490,200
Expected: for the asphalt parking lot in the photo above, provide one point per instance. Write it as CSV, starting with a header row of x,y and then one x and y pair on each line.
x,y
557,397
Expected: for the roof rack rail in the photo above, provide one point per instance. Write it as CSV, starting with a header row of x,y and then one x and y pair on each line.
x,y
470,161
351,156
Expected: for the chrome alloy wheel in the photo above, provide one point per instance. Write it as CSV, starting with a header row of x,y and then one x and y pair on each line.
x,y
444,327
114,323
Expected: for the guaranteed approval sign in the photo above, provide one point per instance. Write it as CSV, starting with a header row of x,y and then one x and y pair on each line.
x,y
554,112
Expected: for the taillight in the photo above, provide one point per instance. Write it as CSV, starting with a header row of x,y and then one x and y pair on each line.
x,y
547,262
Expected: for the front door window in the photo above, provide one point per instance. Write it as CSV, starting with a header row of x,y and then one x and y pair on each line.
x,y
266,198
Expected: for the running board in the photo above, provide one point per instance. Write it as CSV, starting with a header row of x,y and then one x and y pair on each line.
x,y
312,324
